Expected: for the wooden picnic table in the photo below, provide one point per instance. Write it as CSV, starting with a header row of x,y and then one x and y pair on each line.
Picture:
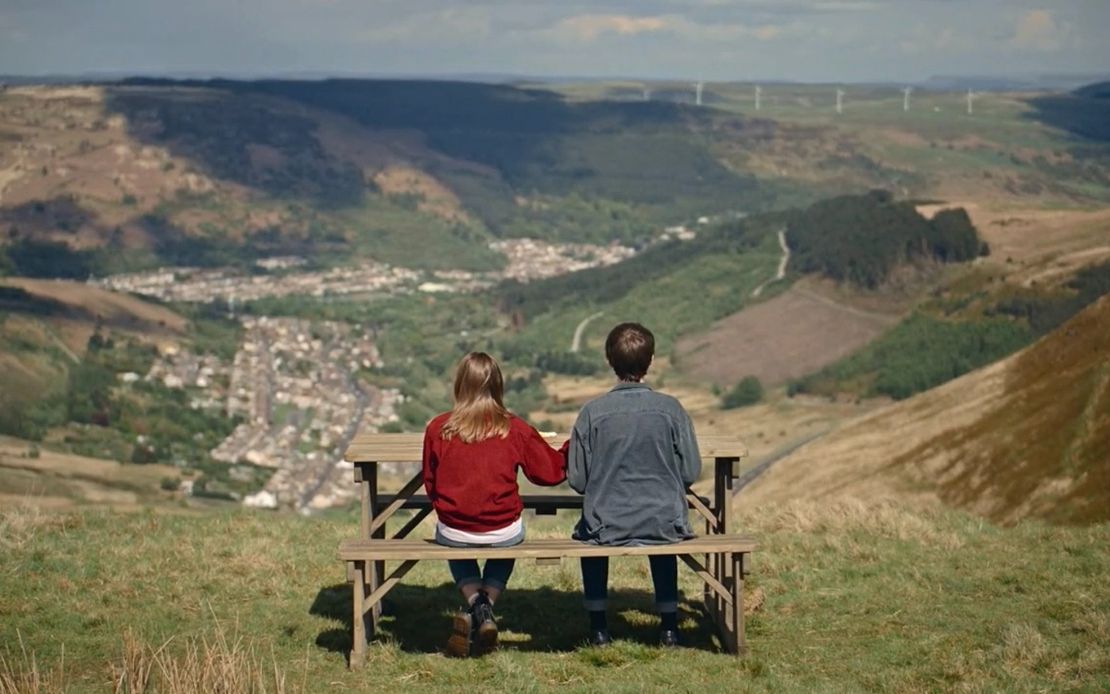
x,y
368,451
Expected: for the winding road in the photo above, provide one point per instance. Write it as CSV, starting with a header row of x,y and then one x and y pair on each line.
x,y
576,343
782,264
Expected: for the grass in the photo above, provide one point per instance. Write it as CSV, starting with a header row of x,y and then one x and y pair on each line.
x,y
854,596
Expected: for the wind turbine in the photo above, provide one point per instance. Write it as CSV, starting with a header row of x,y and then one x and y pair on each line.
x,y
970,102
758,96
840,101
698,86
906,91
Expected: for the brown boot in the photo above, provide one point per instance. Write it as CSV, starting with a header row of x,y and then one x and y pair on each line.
x,y
462,626
485,631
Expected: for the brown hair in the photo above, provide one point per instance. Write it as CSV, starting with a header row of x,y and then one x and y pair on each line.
x,y
478,413
629,349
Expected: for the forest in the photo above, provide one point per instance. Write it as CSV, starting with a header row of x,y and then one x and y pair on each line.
x,y
862,238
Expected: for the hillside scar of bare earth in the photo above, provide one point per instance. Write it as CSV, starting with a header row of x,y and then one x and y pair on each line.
x,y
793,334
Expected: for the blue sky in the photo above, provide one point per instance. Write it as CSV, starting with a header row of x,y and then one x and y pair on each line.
x,y
811,40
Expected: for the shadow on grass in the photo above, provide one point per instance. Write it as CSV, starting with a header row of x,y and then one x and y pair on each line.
x,y
418,618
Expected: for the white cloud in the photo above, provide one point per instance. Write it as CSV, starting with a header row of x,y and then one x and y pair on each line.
x,y
1038,30
587,27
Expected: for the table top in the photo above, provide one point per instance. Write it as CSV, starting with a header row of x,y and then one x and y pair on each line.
x,y
372,447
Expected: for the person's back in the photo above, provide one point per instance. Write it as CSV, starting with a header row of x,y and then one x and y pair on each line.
x,y
632,453
471,457
642,456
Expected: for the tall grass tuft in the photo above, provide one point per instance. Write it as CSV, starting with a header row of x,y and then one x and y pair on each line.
x,y
22,675
223,663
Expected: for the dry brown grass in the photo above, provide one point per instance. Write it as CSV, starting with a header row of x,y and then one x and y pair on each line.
x,y
22,674
224,663
1026,437
885,518
21,524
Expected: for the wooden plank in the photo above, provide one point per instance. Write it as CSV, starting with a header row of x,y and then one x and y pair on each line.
x,y
375,448
375,598
537,502
695,502
531,501
392,550
398,501
417,519
710,581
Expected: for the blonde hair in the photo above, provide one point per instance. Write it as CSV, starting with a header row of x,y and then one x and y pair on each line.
x,y
479,412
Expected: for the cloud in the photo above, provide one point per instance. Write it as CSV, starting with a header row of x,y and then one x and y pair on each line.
x,y
590,27
587,27
1038,30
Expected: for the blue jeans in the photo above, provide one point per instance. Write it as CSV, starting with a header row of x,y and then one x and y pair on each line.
x,y
664,576
466,571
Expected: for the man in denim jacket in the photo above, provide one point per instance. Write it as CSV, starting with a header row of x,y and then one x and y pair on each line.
x,y
632,454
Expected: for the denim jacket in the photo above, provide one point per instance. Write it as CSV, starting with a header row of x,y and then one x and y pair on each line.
x,y
632,454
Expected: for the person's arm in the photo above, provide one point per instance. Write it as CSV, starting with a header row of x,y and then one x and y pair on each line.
x,y
431,461
686,449
542,464
578,454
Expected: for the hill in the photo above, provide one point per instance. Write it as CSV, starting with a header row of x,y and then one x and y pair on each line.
x,y
1028,436
887,599
45,329
210,173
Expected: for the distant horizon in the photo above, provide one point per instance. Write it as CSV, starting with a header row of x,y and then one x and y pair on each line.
x,y
999,81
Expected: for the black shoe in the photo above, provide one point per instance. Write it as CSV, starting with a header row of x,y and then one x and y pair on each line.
x,y
485,627
462,625
668,638
600,638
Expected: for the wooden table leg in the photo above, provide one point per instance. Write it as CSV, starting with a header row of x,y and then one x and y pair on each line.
x,y
376,569
738,644
722,468
359,636
709,596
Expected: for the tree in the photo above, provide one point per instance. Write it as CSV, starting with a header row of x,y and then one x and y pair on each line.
x,y
747,392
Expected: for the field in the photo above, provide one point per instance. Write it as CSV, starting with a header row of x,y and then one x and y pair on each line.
x,y
33,476
793,334
844,596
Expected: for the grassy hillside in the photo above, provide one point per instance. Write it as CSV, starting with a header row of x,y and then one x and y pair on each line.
x,y
882,598
970,322
207,173
217,172
674,288
1026,437
50,480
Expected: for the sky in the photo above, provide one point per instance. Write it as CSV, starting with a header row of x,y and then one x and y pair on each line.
x,y
802,40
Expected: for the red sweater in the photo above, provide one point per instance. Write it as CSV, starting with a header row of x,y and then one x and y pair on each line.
x,y
472,486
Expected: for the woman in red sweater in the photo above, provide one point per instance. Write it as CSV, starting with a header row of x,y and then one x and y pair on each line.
x,y
471,457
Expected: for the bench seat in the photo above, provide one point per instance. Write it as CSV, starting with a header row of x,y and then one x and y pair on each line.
x,y
540,548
